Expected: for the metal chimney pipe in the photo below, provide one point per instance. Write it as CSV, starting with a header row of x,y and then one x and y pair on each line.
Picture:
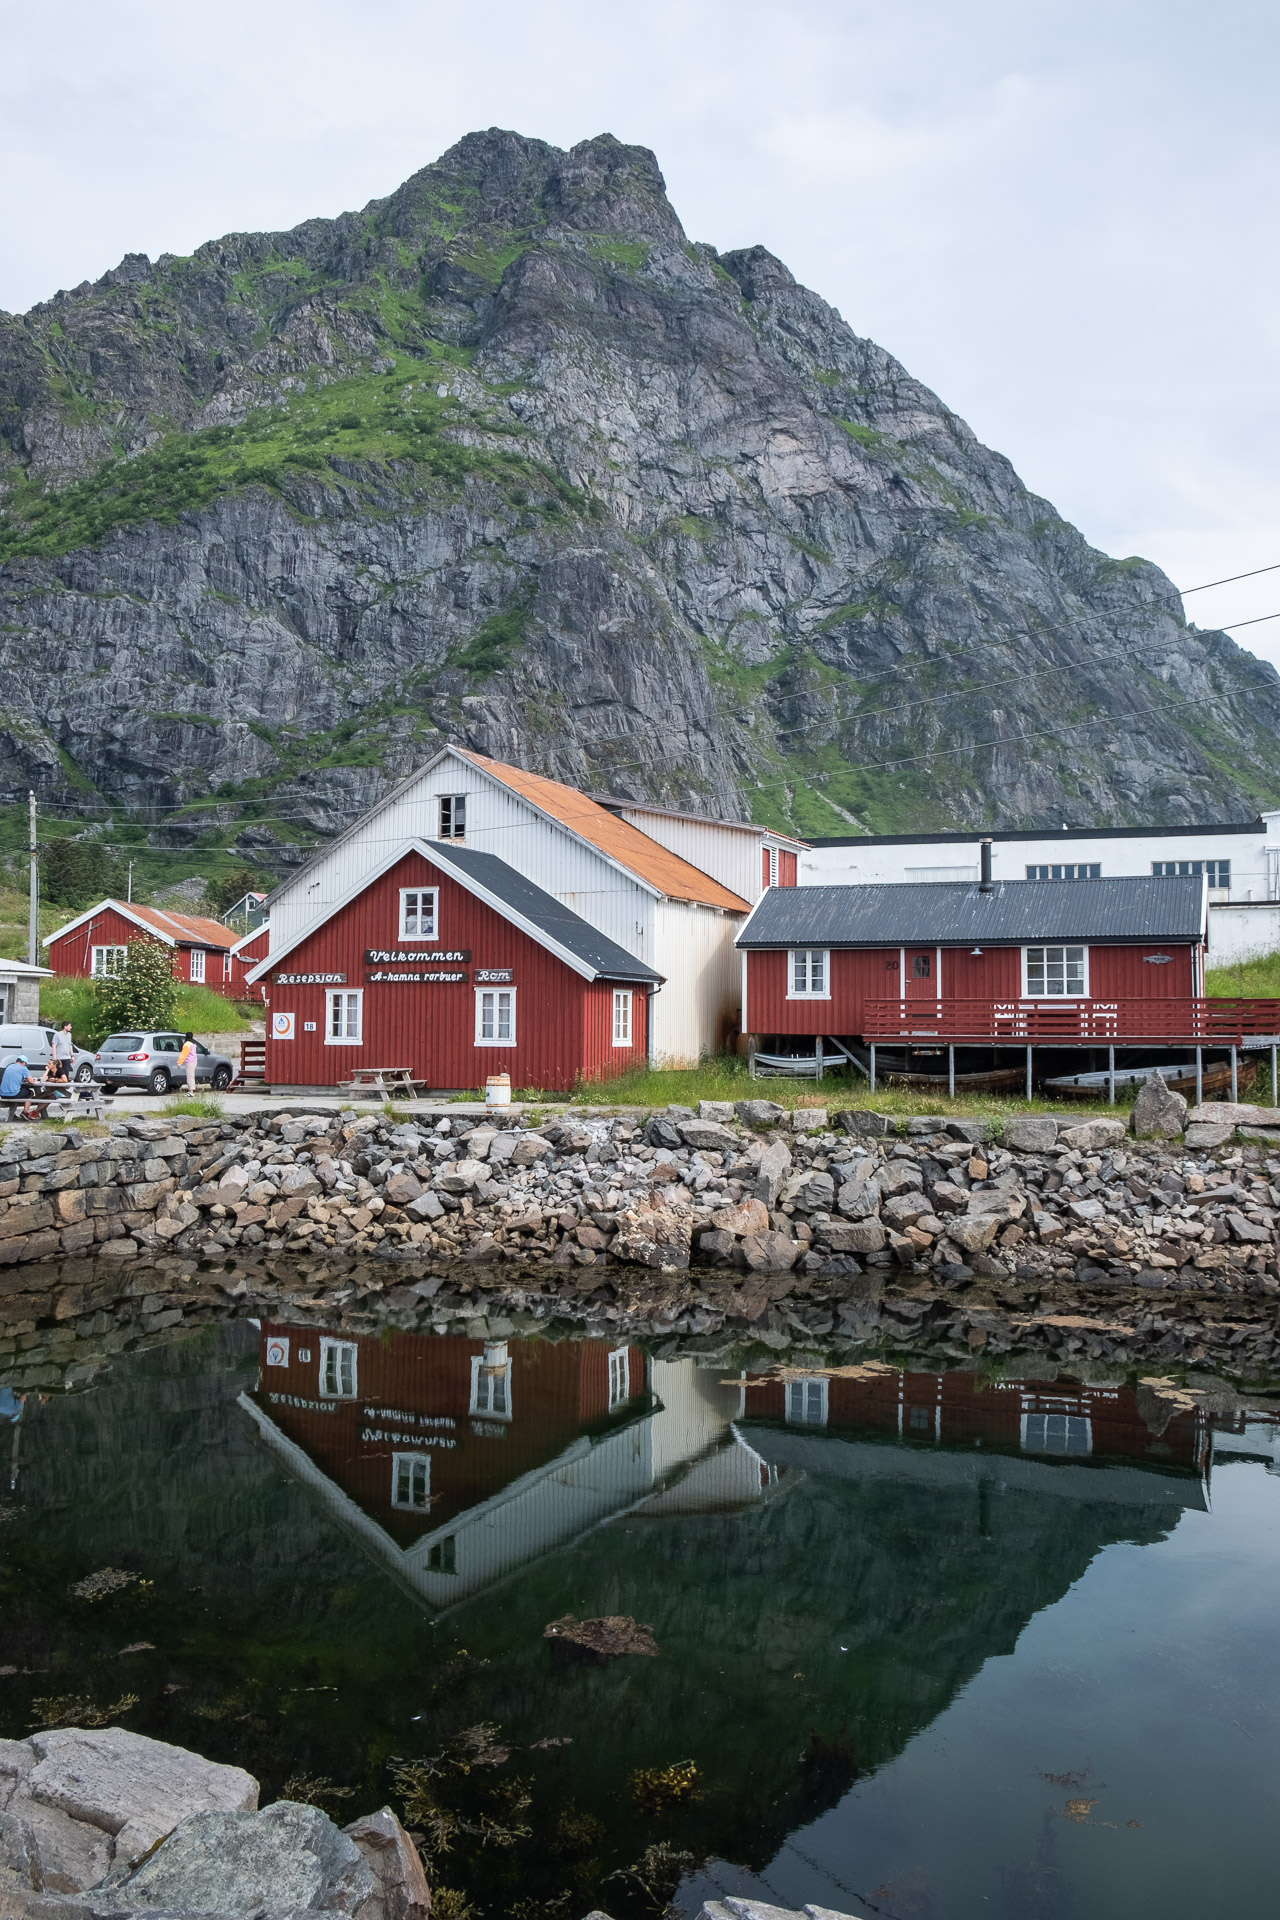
x,y
984,868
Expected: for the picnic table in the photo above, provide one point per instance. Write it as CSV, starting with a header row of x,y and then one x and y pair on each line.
x,y
385,1080
78,1100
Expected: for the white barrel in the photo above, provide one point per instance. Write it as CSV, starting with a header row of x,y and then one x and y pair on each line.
x,y
497,1090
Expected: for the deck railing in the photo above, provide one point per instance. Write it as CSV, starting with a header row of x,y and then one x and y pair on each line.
x,y
1074,1023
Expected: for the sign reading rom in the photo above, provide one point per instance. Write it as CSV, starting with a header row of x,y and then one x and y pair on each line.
x,y
494,976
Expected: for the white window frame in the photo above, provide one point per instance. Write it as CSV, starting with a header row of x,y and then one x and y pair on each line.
x,y
1077,1426
619,1378
346,994
1165,869
415,1468
807,1400
451,801
1054,946
1066,870
418,895
487,1370
773,866
195,972
806,955
104,965
494,994
226,965
622,1027
341,1353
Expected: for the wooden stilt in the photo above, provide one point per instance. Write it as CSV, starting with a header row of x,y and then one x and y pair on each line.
x,y
1274,1101
951,1072
872,1080
1028,1073
1199,1075
1234,1090
817,1049
1111,1075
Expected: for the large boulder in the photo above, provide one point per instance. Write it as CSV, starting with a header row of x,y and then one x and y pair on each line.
x,y
1093,1135
860,1120
743,1216
1233,1113
78,1802
1158,1114
707,1137
859,1197
759,1114
771,1171
770,1252
654,1237
400,1886
1031,1133
287,1859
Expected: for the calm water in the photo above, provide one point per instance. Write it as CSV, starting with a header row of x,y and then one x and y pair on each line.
x,y
936,1644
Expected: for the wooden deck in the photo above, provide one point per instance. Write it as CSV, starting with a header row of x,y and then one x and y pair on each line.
x,y
1074,1023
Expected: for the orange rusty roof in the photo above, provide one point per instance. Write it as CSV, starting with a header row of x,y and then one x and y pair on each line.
x,y
676,878
185,927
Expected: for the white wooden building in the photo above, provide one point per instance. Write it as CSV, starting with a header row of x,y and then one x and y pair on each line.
x,y
1240,861
623,868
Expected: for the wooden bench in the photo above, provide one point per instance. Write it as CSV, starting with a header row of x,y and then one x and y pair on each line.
x,y
384,1080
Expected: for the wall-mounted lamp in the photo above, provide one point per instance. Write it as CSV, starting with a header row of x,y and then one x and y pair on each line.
x,y
975,953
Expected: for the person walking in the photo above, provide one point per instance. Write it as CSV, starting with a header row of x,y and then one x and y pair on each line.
x,y
187,1057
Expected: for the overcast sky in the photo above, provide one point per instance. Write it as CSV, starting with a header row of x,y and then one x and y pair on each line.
x,y
1061,216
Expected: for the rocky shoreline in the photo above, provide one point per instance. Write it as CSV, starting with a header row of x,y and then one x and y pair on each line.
x,y
1071,1243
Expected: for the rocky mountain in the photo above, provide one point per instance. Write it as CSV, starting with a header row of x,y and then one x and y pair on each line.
x,y
505,458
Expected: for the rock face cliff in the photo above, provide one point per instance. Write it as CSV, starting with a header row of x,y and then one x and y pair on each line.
x,y
506,459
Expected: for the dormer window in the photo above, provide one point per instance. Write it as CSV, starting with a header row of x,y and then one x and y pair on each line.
x,y
453,816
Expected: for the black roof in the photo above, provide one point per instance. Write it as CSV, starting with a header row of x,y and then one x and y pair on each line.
x,y
939,913
1063,835
607,960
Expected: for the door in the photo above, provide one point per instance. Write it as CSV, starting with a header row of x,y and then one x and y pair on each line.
x,y
920,973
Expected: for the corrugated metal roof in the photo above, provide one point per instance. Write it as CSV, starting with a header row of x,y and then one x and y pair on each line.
x,y
186,926
956,913
608,960
678,879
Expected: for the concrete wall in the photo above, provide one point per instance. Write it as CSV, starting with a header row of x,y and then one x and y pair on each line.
x,y
1242,931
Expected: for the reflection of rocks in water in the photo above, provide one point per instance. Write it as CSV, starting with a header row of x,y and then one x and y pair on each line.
x,y
597,1641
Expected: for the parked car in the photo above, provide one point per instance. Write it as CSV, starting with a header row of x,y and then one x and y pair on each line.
x,y
150,1060
37,1044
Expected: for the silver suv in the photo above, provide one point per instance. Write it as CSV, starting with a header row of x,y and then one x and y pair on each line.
x,y
36,1044
150,1060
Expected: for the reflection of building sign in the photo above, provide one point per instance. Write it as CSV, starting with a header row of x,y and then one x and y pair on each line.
x,y
423,979
381,956
282,1026
494,976
278,1350
311,979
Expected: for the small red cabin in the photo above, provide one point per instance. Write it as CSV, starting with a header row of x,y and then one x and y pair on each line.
x,y
95,944
448,962
1046,963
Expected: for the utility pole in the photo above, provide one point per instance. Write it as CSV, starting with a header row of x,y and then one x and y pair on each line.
x,y
33,903
129,894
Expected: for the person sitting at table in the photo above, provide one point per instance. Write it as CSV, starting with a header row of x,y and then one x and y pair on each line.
x,y
16,1084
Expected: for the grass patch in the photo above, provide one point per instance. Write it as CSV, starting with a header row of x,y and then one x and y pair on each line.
x,y
629,255
726,1078
493,645
1257,979
199,1106
366,420
865,436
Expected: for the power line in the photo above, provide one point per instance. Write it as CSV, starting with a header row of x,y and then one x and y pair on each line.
x,y
1247,623
1251,575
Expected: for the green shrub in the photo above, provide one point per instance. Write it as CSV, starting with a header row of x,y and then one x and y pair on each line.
x,y
143,995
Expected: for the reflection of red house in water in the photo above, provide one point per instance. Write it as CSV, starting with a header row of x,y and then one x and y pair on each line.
x,y
458,1460
1050,1420
420,1428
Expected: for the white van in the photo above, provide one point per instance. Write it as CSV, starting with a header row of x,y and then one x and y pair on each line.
x,y
36,1043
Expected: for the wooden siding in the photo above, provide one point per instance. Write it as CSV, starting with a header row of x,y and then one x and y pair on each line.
x,y
498,822
431,1028
786,868
730,852
71,955
413,1394
857,976
958,1409
694,952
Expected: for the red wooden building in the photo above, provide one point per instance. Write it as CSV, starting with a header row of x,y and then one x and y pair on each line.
x,y
1046,1419
249,952
95,944
447,961
1061,964
420,1429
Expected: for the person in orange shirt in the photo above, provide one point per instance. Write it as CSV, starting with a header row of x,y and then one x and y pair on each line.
x,y
187,1058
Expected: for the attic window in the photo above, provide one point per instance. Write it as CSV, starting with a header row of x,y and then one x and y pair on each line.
x,y
453,816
